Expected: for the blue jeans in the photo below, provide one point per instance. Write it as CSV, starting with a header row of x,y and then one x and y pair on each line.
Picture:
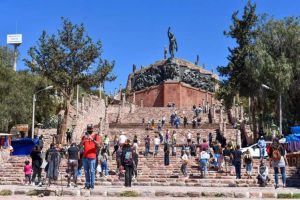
x,y
262,153
147,149
203,167
283,176
104,168
249,169
237,166
156,149
89,165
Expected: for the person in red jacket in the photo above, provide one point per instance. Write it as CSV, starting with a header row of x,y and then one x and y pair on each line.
x,y
90,142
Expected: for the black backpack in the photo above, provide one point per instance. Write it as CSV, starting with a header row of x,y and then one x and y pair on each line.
x,y
128,157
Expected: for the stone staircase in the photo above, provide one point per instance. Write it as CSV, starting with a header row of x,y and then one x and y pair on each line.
x,y
151,170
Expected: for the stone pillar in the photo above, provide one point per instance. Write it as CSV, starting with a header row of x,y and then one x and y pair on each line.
x,y
242,113
221,115
106,101
82,102
123,99
238,138
237,116
100,126
142,103
90,100
213,114
133,98
224,129
100,91
120,91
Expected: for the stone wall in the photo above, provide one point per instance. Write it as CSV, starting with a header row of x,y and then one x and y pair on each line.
x,y
175,92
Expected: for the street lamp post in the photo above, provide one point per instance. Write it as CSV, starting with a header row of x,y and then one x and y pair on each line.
x,y
280,106
33,107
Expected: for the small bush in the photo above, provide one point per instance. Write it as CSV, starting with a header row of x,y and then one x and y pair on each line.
x,y
284,196
32,193
296,196
5,192
130,194
219,195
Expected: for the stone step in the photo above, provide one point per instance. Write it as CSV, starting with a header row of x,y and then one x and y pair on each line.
x,y
146,192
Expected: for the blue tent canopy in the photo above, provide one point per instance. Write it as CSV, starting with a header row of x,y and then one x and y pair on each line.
x,y
295,130
23,146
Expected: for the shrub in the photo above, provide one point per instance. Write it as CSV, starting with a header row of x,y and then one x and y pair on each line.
x,y
296,196
284,196
32,193
130,194
5,192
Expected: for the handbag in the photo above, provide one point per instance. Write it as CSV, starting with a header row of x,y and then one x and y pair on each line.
x,y
98,168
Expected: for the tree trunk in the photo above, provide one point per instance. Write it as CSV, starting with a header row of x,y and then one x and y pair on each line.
x,y
63,126
254,107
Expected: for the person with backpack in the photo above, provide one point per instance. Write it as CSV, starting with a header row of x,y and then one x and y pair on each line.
x,y
237,161
203,161
278,160
53,159
173,139
185,121
261,145
41,142
184,164
226,156
248,163
135,162
73,156
116,144
69,136
118,161
37,162
193,149
166,153
147,145
102,159
127,162
106,144
90,142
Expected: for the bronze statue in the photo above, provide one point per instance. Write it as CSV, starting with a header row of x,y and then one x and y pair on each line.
x,y
165,53
197,60
172,43
133,68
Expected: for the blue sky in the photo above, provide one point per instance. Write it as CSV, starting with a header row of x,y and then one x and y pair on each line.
x,y
135,31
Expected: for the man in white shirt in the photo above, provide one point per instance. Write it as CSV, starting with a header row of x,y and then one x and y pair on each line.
x,y
189,137
156,145
122,138
185,160
203,160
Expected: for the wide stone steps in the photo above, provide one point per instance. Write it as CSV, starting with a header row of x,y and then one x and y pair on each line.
x,y
166,126
151,171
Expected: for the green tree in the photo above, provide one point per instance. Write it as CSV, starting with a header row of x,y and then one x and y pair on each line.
x,y
16,89
67,60
242,77
278,44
